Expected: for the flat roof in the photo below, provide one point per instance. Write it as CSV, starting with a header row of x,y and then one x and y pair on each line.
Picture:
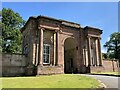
x,y
63,22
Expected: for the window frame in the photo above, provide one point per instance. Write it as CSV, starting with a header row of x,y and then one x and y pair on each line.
x,y
45,45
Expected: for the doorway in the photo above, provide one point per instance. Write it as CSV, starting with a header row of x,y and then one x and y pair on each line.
x,y
70,55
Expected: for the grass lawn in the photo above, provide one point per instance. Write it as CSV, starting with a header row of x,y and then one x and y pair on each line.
x,y
51,81
109,73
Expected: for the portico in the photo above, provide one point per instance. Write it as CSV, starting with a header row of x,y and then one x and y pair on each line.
x,y
59,46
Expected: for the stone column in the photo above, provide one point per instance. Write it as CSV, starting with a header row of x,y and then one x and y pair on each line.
x,y
34,53
99,52
96,53
41,46
86,52
57,47
37,47
89,51
84,56
54,48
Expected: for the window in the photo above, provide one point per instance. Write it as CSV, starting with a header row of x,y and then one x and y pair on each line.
x,y
26,49
46,54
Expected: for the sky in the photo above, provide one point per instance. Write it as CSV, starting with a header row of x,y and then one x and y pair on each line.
x,y
102,15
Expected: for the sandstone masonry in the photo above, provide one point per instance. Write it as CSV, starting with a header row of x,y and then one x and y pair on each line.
x,y
55,46
60,46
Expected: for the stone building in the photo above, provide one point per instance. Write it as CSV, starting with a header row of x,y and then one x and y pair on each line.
x,y
59,46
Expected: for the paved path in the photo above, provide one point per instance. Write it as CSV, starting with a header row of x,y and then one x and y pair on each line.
x,y
109,81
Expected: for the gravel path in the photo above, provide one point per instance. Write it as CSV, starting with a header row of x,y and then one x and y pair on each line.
x,y
109,81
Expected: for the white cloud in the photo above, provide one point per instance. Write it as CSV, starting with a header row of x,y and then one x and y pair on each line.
x,y
108,38
104,50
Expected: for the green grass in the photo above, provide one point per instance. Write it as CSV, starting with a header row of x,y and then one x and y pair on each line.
x,y
109,73
52,81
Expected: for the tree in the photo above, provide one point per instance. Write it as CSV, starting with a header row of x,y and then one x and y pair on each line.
x,y
104,56
11,35
0,32
113,46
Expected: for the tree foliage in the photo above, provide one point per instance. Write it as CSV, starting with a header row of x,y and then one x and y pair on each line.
x,y
11,35
113,46
0,32
104,56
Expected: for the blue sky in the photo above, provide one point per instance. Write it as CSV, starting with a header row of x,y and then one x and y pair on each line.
x,y
103,15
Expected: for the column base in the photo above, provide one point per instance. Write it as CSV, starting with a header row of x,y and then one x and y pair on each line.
x,y
100,65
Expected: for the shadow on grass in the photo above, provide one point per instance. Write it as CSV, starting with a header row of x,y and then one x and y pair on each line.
x,y
104,74
60,89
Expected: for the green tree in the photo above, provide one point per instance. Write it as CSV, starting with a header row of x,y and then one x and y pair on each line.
x,y
113,46
0,32
104,56
11,35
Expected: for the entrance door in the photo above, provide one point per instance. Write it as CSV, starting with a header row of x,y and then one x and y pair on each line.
x,y
70,55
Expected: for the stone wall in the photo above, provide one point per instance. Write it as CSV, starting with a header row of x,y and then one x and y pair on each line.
x,y
108,66
44,70
13,64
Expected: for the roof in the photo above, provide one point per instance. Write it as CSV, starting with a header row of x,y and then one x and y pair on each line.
x,y
93,28
63,22
41,16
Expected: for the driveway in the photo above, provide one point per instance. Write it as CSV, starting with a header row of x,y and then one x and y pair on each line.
x,y
109,81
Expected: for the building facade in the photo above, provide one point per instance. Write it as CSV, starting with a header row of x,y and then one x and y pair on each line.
x,y
59,46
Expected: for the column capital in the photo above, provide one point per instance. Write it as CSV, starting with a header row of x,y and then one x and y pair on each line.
x,y
58,31
99,38
41,28
88,36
